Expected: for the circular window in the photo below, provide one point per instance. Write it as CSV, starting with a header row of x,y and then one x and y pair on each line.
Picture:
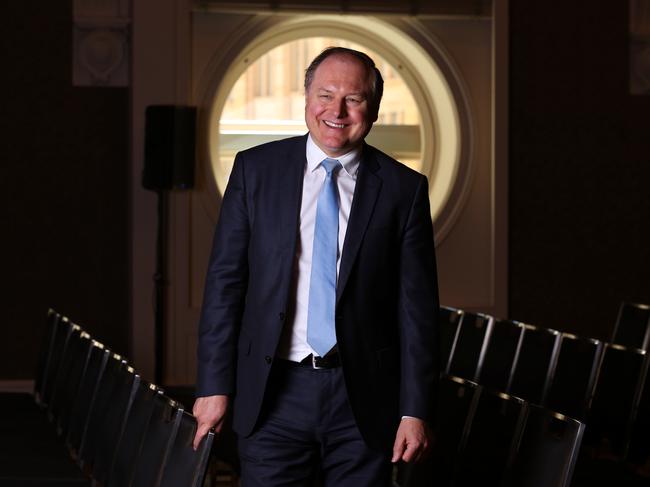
x,y
258,96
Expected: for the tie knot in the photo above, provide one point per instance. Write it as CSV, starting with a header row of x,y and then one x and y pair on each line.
x,y
330,165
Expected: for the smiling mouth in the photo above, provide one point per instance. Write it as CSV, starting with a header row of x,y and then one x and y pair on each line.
x,y
334,125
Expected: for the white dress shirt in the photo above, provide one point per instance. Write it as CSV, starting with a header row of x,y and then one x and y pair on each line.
x,y
293,345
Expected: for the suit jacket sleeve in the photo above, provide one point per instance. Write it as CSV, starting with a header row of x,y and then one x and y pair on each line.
x,y
418,312
225,290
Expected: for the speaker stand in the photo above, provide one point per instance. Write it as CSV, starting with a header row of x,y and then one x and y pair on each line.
x,y
160,283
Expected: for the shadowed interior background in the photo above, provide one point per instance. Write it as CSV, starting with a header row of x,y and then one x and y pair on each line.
x,y
579,169
65,210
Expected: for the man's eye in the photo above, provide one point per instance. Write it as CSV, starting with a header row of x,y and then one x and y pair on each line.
x,y
354,101
325,97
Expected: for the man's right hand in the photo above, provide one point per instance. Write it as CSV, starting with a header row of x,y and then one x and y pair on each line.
x,y
209,412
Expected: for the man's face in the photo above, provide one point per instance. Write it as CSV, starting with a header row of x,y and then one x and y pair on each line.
x,y
337,105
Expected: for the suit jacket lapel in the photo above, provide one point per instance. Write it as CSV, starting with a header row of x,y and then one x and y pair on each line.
x,y
365,195
289,211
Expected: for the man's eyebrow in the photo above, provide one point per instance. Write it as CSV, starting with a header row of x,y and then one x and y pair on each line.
x,y
356,93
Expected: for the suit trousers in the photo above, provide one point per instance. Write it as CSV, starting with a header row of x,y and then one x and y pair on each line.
x,y
307,435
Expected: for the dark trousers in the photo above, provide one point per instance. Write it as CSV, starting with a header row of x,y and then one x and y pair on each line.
x,y
308,434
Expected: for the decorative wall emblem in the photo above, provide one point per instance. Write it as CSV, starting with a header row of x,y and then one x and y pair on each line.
x,y
101,42
640,47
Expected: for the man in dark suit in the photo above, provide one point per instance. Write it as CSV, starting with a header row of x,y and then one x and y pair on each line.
x,y
320,310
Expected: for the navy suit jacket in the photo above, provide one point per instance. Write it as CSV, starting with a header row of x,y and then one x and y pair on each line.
x,y
387,296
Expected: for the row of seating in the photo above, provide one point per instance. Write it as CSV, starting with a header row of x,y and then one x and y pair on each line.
x,y
94,420
603,384
632,327
485,437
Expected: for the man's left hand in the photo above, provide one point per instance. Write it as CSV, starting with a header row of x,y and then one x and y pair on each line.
x,y
413,440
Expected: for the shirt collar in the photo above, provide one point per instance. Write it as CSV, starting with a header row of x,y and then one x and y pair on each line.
x,y
349,161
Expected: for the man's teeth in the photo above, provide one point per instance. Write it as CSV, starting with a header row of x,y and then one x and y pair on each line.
x,y
334,125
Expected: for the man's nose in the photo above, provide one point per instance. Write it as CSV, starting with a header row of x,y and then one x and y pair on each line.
x,y
340,108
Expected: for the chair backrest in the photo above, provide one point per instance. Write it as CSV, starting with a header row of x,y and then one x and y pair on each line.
x,y
130,444
639,447
547,451
158,440
185,466
616,398
67,395
456,400
62,330
45,353
537,352
493,431
83,402
105,403
470,343
500,354
632,328
111,428
574,376
69,375
449,321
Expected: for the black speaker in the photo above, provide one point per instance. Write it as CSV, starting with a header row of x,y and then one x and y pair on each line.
x,y
169,150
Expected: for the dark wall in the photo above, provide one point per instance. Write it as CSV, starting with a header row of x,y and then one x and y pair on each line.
x,y
579,167
64,189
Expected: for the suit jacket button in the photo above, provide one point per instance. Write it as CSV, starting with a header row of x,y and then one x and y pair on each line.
x,y
281,316
268,359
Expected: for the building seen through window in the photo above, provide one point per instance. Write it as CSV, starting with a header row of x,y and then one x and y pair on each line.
x,y
267,103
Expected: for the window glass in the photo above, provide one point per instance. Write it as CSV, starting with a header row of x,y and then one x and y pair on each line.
x,y
267,103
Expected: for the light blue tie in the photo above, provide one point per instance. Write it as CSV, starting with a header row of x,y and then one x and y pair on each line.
x,y
321,332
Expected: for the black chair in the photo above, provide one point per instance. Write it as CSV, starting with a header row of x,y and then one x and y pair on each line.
x,y
130,443
574,376
11,402
456,400
500,354
616,397
67,393
159,437
45,354
537,353
62,330
111,426
83,403
639,446
492,435
185,466
67,381
52,348
449,321
547,452
456,403
105,403
632,328
27,427
470,342
20,412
